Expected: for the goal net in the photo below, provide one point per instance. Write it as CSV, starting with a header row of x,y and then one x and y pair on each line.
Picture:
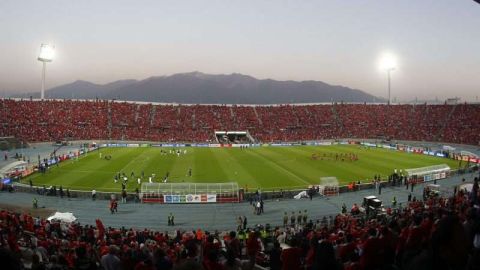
x,y
189,192
328,186
429,173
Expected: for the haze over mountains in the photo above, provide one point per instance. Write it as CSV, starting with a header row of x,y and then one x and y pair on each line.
x,y
197,88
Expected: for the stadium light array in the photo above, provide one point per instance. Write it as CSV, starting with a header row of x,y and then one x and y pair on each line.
x,y
46,55
388,63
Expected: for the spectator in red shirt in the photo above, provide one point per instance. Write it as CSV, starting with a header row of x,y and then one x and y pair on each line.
x,y
253,248
325,257
291,257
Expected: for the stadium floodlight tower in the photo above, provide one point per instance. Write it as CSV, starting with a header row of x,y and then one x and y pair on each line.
x,y
46,55
388,63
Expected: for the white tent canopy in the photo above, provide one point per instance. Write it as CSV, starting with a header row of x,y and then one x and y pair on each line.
x,y
300,195
63,217
468,187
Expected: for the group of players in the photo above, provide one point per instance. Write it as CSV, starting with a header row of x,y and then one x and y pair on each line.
x,y
335,156
121,176
174,151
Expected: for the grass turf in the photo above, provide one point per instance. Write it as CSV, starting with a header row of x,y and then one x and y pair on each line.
x,y
263,167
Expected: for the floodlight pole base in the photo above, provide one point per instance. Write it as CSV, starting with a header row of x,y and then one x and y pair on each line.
x,y
389,89
42,93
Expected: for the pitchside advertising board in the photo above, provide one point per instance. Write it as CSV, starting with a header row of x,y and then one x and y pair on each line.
x,y
436,176
191,198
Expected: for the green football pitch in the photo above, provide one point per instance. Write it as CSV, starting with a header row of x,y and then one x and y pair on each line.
x,y
266,168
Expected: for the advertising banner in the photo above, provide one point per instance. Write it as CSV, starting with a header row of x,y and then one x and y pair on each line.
x,y
241,145
211,198
175,198
192,198
369,144
133,145
323,143
200,145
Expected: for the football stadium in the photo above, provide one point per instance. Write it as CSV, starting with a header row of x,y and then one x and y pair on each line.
x,y
264,168
227,171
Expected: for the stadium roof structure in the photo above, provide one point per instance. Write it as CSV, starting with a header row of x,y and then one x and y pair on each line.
x,y
428,170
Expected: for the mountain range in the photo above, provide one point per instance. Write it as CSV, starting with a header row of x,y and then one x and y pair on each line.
x,y
201,88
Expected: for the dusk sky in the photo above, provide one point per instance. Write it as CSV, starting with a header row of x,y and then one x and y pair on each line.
x,y
437,42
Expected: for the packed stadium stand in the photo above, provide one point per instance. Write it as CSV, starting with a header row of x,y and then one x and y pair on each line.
x,y
54,120
433,233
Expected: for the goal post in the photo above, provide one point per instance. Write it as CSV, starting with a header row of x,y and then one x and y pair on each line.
x,y
328,186
190,193
429,173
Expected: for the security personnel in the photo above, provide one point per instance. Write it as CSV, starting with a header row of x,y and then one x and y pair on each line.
x,y
264,234
305,217
35,203
171,220
241,236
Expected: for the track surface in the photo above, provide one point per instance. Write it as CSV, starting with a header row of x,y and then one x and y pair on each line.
x,y
210,216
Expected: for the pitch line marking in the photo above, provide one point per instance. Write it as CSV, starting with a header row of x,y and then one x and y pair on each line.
x,y
278,166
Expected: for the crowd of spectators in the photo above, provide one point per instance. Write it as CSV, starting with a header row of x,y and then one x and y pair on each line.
x,y
54,120
438,233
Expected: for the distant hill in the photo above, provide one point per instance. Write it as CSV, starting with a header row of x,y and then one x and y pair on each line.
x,y
84,90
197,88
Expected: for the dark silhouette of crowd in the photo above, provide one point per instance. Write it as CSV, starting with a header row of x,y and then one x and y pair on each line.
x,y
438,233
57,120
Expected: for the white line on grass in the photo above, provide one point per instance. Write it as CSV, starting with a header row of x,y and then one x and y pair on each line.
x,y
280,167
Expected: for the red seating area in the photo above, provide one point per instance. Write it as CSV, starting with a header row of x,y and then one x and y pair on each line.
x,y
439,233
53,120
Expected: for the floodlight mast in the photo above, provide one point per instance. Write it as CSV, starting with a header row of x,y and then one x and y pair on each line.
x,y
388,64
42,92
389,83
46,55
